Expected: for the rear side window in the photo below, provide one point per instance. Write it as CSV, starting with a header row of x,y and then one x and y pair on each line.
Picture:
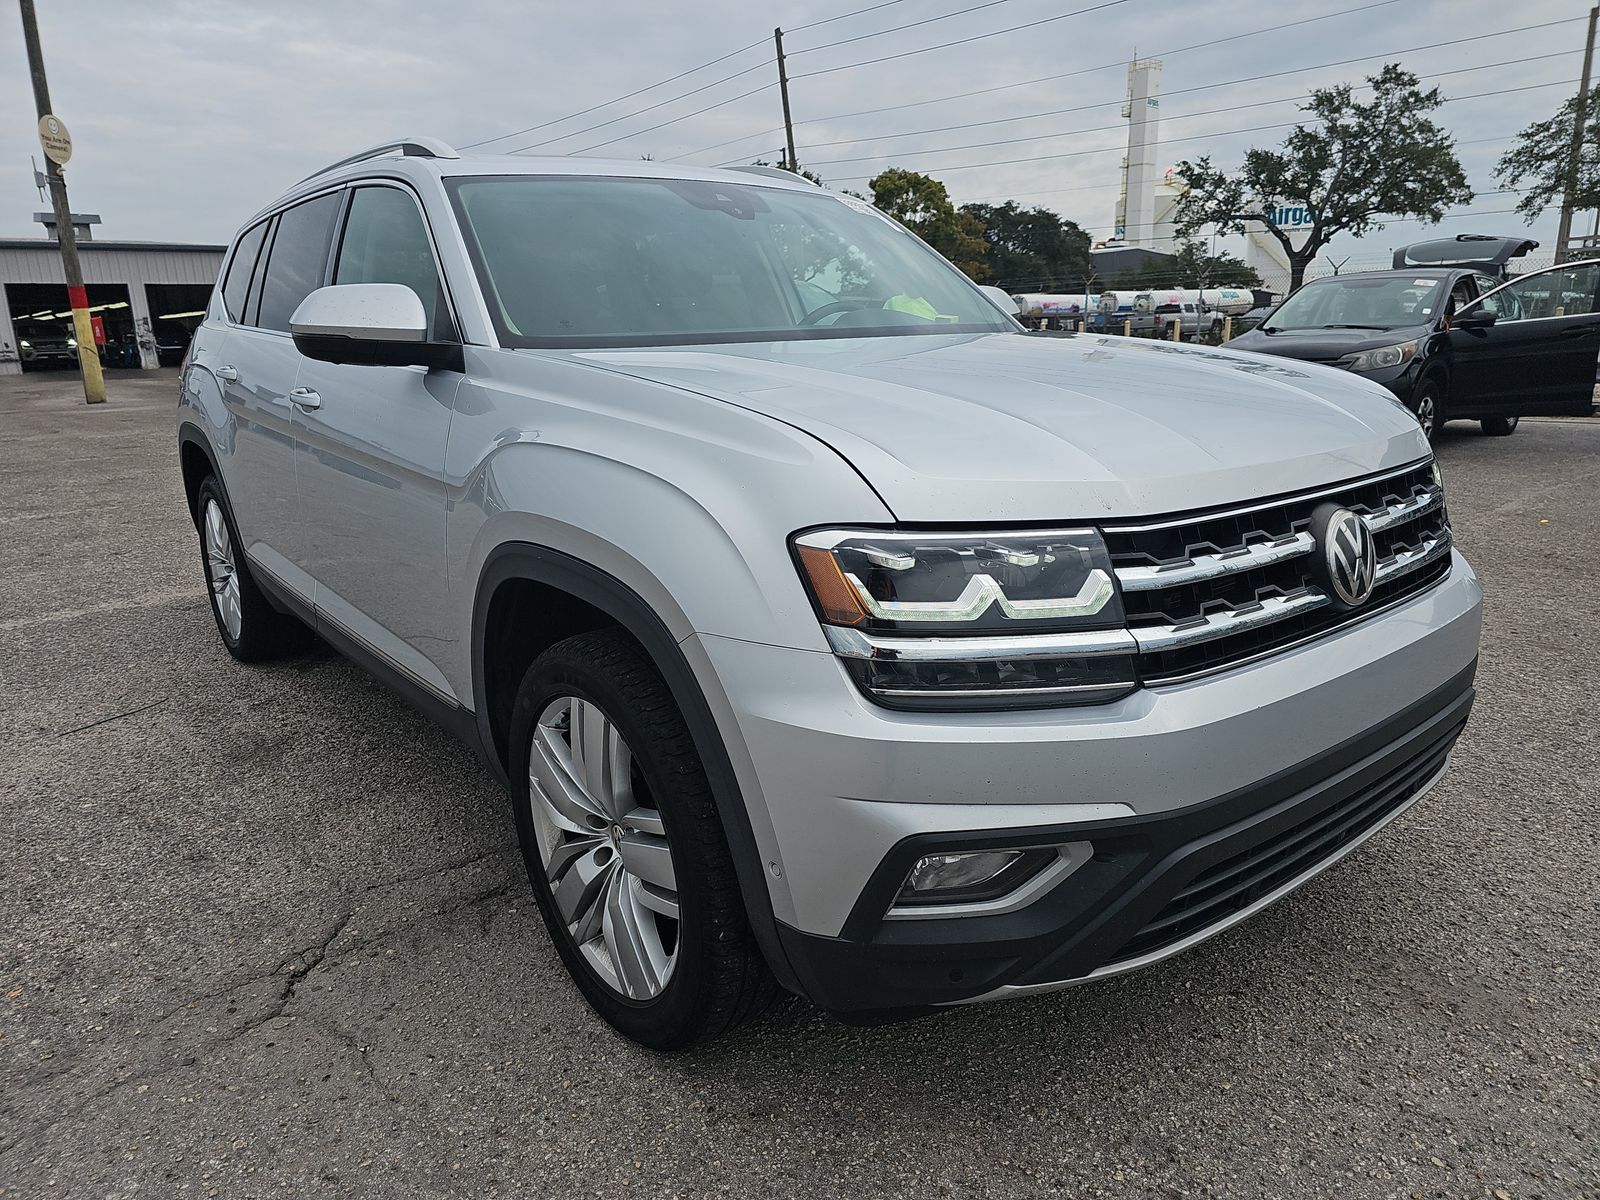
x,y
237,286
385,241
294,264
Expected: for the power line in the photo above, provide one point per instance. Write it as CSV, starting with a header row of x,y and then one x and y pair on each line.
x,y
960,12
583,112
860,12
1156,224
847,66
977,37
766,62
1207,112
1193,137
622,137
1165,54
1101,187
1206,86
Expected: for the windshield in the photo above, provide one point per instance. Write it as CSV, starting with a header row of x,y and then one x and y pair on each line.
x,y
583,261
1351,302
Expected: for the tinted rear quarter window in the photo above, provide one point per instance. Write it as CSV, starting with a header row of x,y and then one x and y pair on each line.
x,y
237,285
294,264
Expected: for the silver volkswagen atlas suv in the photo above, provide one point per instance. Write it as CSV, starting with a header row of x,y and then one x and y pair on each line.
x,y
830,632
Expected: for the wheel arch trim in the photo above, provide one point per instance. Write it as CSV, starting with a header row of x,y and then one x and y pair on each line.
x,y
555,569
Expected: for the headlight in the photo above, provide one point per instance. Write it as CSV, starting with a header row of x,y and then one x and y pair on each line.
x,y
25,344
1382,357
964,621
73,343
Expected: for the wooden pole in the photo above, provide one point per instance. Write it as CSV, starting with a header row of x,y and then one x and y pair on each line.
x,y
94,383
1575,150
783,88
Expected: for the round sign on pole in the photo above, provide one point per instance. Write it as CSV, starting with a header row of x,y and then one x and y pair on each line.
x,y
55,139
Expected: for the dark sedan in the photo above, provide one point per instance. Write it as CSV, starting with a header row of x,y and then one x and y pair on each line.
x,y
1451,342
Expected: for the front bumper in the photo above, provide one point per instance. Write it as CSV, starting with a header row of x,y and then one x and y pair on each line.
x,y
844,795
1155,885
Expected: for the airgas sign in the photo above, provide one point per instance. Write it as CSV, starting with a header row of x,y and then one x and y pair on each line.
x,y
1290,216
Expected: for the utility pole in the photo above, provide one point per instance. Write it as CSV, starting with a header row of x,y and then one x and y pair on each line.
x,y
1575,151
783,87
94,384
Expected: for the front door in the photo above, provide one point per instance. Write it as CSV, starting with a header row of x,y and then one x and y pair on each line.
x,y
371,464
1539,356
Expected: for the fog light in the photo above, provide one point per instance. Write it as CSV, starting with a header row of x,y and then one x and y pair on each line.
x,y
971,876
941,872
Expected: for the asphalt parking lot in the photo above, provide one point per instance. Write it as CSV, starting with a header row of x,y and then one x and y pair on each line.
x,y
266,932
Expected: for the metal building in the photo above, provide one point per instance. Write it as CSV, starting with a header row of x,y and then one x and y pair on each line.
x,y
145,299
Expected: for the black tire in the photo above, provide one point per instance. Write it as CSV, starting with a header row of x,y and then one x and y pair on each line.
x,y
1499,426
719,978
1427,405
264,633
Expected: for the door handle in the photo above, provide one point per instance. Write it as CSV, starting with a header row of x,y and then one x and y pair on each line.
x,y
228,374
305,398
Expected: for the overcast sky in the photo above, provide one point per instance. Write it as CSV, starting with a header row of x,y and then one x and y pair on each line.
x,y
187,117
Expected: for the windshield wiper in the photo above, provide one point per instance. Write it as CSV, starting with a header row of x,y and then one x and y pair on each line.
x,y
1380,328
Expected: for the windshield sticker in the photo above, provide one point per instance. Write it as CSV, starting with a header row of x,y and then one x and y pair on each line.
x,y
859,205
1423,282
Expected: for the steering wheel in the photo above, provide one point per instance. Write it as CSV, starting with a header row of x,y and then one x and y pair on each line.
x,y
836,306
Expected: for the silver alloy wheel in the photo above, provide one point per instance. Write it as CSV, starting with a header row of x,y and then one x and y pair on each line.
x,y
1426,414
222,571
603,848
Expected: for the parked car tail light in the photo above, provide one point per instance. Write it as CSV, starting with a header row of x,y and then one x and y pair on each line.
x,y
971,621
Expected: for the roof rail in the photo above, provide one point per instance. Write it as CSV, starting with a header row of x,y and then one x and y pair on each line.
x,y
415,147
772,172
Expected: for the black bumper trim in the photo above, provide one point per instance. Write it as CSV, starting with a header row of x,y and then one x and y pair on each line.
x,y
1103,913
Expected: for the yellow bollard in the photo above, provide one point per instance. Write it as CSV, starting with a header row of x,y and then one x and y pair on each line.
x,y
1227,329
94,382
1177,330
1127,327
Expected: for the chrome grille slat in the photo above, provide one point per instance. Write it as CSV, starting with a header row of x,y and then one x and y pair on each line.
x,y
1406,561
1221,625
1201,567
1211,590
1420,504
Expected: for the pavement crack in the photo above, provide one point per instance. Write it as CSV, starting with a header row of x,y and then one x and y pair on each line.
x,y
459,864
115,717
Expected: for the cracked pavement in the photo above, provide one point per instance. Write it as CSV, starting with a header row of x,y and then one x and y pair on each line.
x,y
266,931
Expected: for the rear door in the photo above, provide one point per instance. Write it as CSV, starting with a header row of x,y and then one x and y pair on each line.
x,y
1538,358
371,466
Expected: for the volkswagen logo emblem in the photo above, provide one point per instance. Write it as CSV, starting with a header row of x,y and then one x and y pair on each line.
x,y
1349,555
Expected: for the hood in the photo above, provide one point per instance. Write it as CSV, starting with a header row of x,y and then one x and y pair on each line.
x,y
1013,427
1325,345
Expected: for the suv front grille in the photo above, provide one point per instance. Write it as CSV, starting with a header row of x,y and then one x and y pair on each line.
x,y
1212,590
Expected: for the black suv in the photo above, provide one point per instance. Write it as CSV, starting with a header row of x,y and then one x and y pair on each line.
x,y
1450,336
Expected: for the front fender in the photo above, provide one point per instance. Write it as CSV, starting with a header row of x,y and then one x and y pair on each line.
x,y
686,501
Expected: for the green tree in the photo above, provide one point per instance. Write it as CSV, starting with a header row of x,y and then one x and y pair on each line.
x,y
817,256
1031,249
1195,268
1540,158
1351,166
922,205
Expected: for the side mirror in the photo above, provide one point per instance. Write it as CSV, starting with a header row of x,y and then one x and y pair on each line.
x,y
1474,318
369,324
1000,299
